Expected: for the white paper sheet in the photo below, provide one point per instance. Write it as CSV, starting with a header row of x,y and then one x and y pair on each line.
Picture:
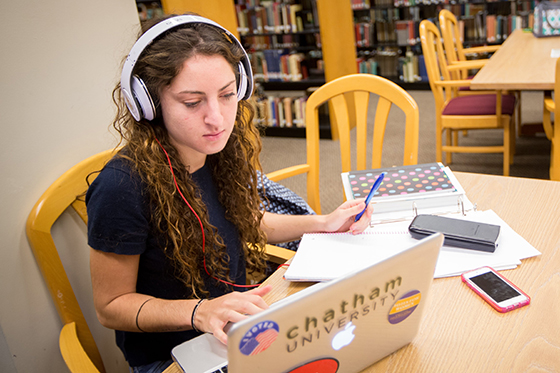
x,y
327,256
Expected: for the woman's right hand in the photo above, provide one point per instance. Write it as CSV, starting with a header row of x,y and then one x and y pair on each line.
x,y
213,315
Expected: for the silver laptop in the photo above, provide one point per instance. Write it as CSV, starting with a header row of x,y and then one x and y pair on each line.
x,y
343,325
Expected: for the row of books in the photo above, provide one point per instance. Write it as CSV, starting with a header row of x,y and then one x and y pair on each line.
x,y
483,26
367,65
368,4
403,3
407,32
492,28
249,3
310,41
387,61
412,68
273,111
465,9
361,4
276,17
499,8
278,65
409,68
397,25
364,34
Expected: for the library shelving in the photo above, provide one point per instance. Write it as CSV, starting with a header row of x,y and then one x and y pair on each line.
x,y
387,37
286,44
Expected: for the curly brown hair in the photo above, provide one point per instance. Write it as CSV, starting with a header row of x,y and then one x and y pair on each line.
x,y
234,169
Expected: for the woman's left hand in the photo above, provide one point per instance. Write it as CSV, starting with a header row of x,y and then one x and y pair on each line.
x,y
342,219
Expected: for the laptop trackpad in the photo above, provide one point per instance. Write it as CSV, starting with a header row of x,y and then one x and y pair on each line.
x,y
201,353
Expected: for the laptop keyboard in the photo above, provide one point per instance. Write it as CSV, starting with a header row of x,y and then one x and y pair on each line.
x,y
221,369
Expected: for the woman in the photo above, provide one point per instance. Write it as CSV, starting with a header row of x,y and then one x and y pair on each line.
x,y
174,219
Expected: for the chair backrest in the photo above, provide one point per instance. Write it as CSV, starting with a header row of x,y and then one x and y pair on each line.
x,y
452,40
67,191
434,58
452,43
336,91
362,86
455,51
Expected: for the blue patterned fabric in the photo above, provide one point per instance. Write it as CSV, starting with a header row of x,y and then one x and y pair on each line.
x,y
278,199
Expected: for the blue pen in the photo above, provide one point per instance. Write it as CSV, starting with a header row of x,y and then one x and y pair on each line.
x,y
374,188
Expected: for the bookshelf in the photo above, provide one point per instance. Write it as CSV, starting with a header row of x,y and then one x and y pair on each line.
x,y
283,40
292,50
387,37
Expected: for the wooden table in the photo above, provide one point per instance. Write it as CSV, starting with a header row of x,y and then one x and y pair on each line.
x,y
523,62
460,332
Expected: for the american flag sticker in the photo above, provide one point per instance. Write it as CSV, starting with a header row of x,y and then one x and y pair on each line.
x,y
260,337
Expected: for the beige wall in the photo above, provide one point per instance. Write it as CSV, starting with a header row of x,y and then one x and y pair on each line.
x,y
58,64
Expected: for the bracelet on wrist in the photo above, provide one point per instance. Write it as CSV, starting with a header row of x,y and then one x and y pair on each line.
x,y
194,314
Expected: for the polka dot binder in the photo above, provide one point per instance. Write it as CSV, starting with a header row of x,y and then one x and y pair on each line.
x,y
408,189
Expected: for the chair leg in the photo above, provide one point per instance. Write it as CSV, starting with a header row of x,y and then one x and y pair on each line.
x,y
555,154
439,134
554,174
455,139
512,137
507,145
449,141
518,112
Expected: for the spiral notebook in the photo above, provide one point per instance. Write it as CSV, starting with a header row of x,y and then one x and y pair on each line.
x,y
325,256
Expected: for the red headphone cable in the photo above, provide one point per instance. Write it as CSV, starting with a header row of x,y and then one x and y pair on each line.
x,y
200,222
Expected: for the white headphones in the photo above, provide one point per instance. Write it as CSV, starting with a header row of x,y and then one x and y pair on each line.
x,y
135,92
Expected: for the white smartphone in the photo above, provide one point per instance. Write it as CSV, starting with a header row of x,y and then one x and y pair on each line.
x,y
495,289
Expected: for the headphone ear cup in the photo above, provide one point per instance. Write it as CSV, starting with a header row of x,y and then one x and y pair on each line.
x,y
143,98
242,87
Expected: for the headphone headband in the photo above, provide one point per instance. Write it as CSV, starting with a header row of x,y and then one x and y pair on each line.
x,y
135,92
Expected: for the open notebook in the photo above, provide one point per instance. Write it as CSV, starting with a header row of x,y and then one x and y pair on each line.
x,y
340,326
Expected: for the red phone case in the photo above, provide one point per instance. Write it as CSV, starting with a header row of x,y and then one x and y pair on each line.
x,y
491,301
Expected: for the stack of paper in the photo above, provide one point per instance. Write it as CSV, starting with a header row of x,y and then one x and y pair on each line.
x,y
325,256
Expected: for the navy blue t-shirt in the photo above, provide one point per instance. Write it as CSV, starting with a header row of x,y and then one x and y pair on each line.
x,y
119,222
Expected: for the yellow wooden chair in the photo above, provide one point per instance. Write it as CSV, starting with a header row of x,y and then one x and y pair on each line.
x,y
493,110
335,91
552,106
456,55
77,345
